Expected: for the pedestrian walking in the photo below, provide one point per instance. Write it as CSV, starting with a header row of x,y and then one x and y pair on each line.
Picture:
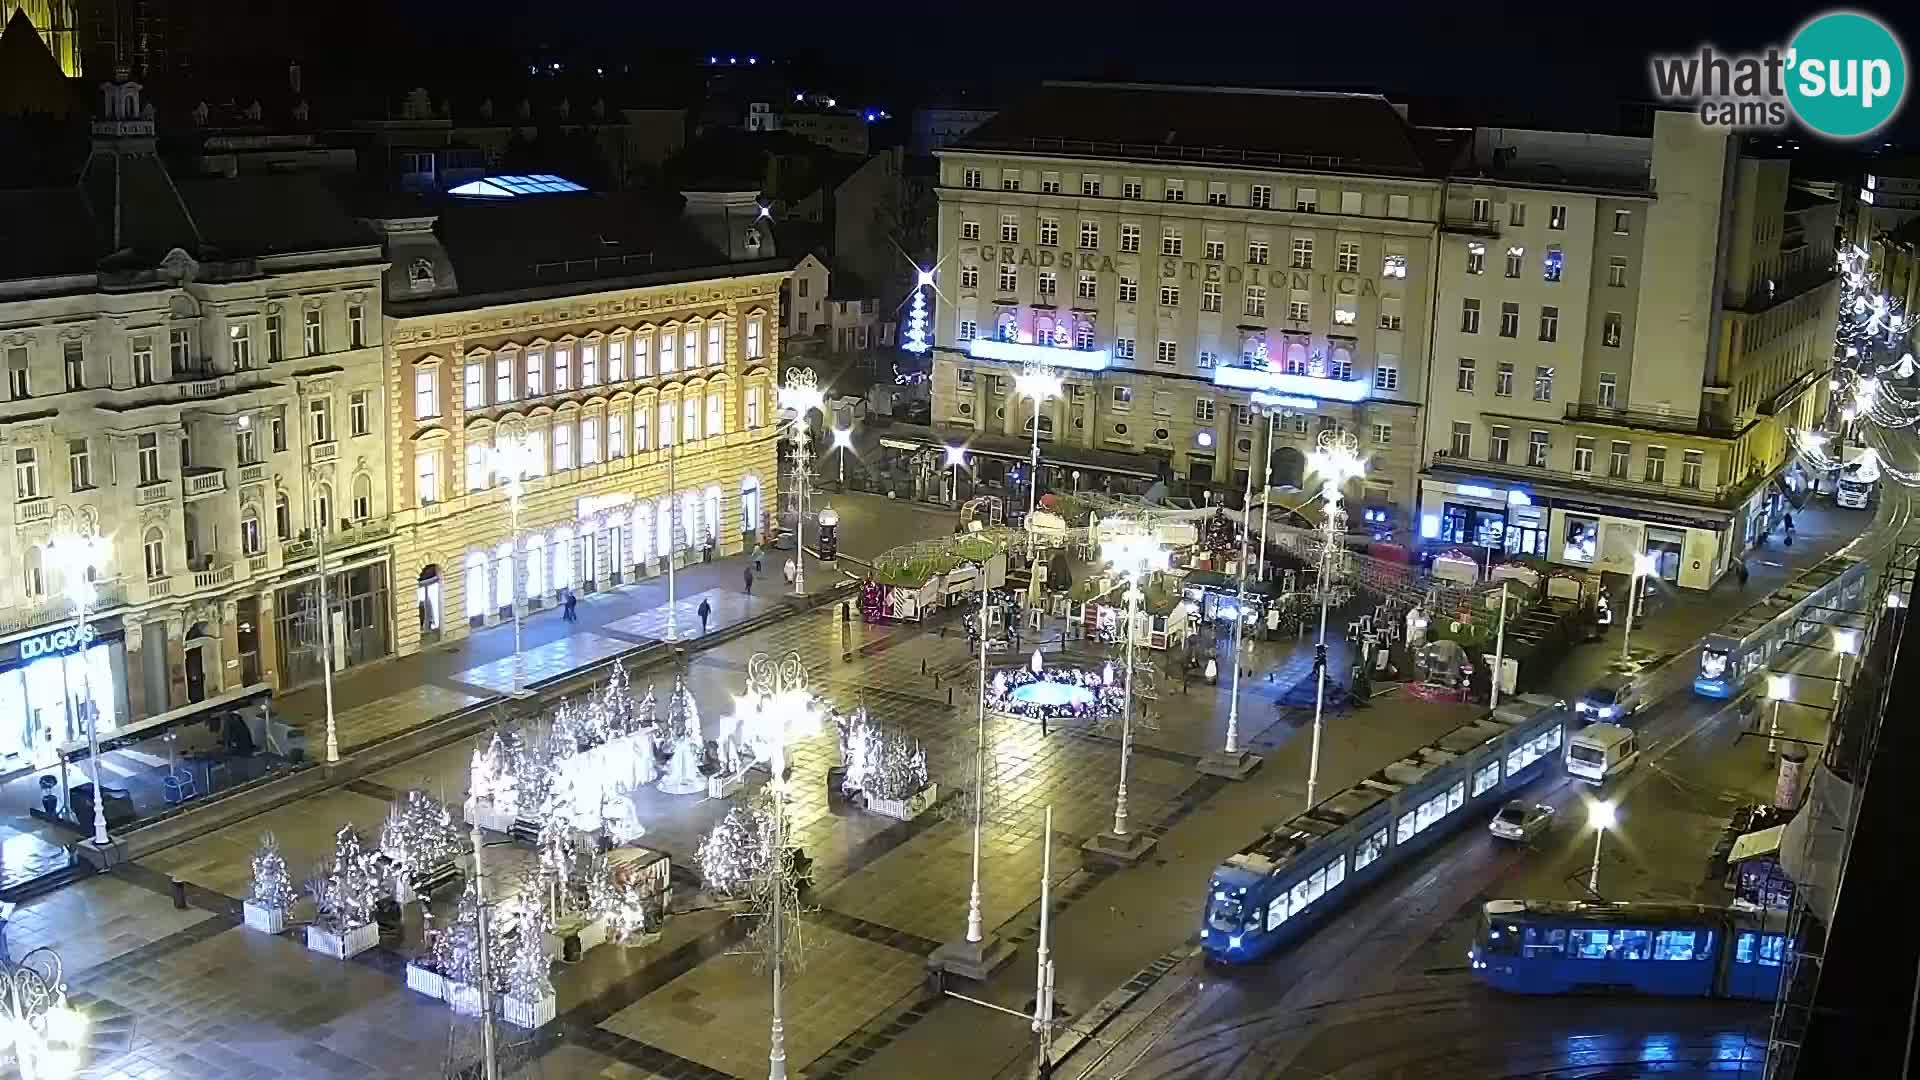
x,y
1740,568
568,612
759,559
1043,723
706,610
749,577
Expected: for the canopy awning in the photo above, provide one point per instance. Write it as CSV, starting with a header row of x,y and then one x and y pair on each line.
x,y
1757,844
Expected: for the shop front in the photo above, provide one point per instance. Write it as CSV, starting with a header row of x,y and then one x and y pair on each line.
x,y
361,622
52,682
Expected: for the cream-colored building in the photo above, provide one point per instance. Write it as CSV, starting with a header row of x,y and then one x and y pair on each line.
x,y
1174,252
193,372
632,352
1625,329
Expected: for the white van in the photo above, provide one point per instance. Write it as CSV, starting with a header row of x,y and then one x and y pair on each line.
x,y
1598,753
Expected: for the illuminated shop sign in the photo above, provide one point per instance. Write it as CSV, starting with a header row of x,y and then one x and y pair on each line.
x,y
1279,382
57,641
1283,401
1020,352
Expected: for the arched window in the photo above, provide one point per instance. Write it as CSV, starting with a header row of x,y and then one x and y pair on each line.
x,y
534,553
563,558
1008,327
250,538
712,522
503,576
282,517
154,550
1296,358
362,497
34,578
692,530
477,584
323,506
642,531
750,504
663,528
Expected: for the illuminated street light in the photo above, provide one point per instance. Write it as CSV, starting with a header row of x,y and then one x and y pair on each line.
x,y
1136,553
78,558
1845,643
1336,460
514,457
801,395
1038,383
956,457
843,442
1779,689
1644,565
1600,815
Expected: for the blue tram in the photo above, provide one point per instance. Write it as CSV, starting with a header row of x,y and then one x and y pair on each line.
x,y
1679,950
1283,884
1734,655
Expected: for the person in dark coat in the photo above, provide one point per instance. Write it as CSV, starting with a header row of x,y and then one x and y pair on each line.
x,y
706,610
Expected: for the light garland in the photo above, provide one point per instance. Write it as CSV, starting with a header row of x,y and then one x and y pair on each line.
x,y
272,883
1106,698
419,834
882,761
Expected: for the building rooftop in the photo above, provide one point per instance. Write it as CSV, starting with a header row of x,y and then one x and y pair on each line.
x,y
1289,129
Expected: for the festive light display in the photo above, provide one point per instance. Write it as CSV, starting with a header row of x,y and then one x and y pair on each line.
x,y
350,888
272,884
882,761
419,834
1070,693
914,340
682,745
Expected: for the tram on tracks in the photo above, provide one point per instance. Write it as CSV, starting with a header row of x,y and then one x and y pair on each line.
x,y
1678,950
1279,887
1734,656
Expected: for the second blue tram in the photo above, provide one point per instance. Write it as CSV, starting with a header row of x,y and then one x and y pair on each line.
x,y
1679,950
1283,884
1735,654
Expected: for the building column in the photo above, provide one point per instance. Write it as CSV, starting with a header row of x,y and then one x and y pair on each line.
x,y
137,705
176,658
268,634
229,675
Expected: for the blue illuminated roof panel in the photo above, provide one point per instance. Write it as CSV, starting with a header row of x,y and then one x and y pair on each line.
x,y
514,185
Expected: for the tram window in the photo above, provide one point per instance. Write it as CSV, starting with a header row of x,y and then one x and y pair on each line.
x,y
1743,947
1609,944
1456,796
1549,741
1537,941
1225,914
1404,830
1486,777
1370,849
1431,811
1771,948
1309,889
1673,945
1633,944
1503,939
1336,873
1277,911
1519,759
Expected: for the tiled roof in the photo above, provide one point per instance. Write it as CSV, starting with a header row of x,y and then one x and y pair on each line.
x,y
1340,132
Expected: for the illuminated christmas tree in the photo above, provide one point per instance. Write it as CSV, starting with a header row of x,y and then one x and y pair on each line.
x,y
915,340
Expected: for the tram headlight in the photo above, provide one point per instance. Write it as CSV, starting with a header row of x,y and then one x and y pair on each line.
x,y
1606,713
1233,942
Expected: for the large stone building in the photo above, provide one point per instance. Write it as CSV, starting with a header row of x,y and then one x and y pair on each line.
x,y
193,372
629,346
1175,251
1624,331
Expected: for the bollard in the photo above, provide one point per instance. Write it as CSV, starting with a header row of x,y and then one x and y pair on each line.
x,y
949,695
179,894
923,665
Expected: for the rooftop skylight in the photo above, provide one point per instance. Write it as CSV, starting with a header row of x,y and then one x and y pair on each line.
x,y
514,185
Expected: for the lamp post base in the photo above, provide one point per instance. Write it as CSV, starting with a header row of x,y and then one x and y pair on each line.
x,y
1235,766
1127,850
521,694
976,960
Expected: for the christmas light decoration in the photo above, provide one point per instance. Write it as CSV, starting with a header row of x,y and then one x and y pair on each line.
x,y
352,884
684,744
272,884
914,340
882,761
419,834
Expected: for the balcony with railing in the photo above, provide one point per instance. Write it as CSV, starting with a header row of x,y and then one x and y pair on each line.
x,y
109,593
1594,481
199,481
212,574
338,540
322,452
1705,425
1772,292
256,473
158,491
33,511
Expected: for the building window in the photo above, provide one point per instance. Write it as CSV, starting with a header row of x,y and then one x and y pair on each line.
x,y
1383,434
80,464
1299,311
1515,256
1690,468
1503,380
278,426
1009,278
1049,232
1549,324
426,477
143,373
1257,252
1386,377
320,420
74,355
1604,397
1617,272
1463,376
1656,464
1123,348
1203,410
1210,296
426,393
1542,382
969,329
276,350
362,497
690,418
1087,288
1462,440
1122,398
1215,251
1622,222
1556,217
1083,336
1129,238
970,178
357,325
360,413
536,367
282,517
1476,258
1306,200
1216,194
969,277
240,346
1617,459
1610,330
1050,183
617,351
641,412
180,350
1498,438
1469,316
1009,180
1049,286
1349,258
1090,186
616,435
1205,360
26,474
1352,202
315,338
1129,290
563,365
19,380
756,338
502,379
1303,253
1089,235
590,363
1509,320
1583,454
475,384
1168,353
147,457
1482,210
153,549
1260,197
1516,213
1169,296
1133,189
1257,301
1537,448
1551,263
1344,314
1172,242
251,541
477,467
1175,191
969,230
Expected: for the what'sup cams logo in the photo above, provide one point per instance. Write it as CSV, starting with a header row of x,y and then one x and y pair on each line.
x,y
1844,76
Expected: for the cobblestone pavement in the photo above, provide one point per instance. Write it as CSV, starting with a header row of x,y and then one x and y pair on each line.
x,y
189,993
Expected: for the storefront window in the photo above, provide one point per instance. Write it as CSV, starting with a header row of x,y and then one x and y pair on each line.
x,y
1461,524
1582,539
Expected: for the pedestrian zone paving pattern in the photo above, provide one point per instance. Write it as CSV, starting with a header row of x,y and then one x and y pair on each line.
x,y
547,661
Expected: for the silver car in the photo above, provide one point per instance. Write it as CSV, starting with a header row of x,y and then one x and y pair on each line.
x,y
1521,821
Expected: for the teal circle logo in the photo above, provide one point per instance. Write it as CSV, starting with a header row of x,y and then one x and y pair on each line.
x,y
1847,74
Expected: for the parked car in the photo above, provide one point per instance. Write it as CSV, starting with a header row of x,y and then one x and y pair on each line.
x,y
1522,821
1614,698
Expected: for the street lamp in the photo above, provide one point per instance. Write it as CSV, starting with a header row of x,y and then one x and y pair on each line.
x,y
77,556
1600,816
43,1031
801,395
1499,651
843,442
1779,688
1232,761
1336,460
1135,551
1644,565
956,457
1038,383
1845,643
512,457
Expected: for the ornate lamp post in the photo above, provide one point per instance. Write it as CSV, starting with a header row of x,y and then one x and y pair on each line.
x,y
513,457
1644,565
1037,382
1233,762
77,557
843,442
1600,814
1336,460
43,1031
801,395
956,459
1135,551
